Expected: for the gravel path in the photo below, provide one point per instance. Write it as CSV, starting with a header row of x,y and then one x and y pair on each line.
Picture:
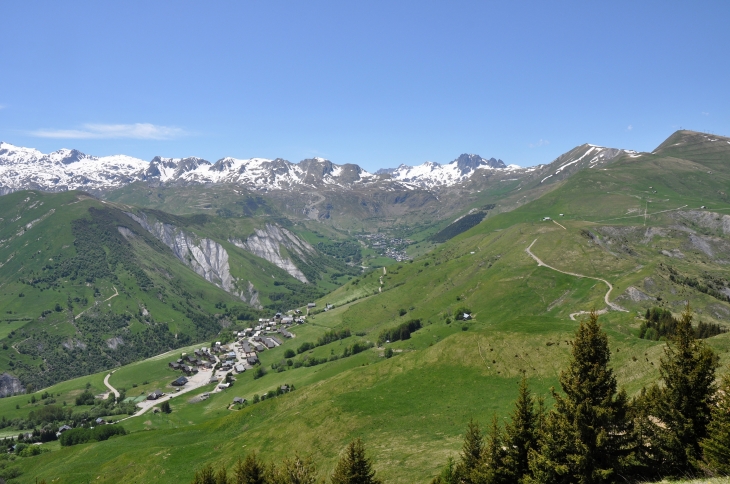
x,y
106,382
611,305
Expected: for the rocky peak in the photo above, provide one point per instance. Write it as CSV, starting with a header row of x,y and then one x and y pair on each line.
x,y
70,156
316,169
467,163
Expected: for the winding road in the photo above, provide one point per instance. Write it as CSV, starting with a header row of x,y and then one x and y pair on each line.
x,y
106,382
611,305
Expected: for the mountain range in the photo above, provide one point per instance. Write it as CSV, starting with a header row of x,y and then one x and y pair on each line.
x,y
69,169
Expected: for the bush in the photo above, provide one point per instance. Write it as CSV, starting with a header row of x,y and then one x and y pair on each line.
x,y
289,353
389,352
305,347
165,407
31,450
259,372
86,398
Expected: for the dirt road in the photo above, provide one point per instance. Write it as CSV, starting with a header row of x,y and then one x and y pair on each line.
x,y
106,382
611,305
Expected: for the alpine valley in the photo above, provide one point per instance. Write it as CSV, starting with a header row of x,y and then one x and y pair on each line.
x,y
307,304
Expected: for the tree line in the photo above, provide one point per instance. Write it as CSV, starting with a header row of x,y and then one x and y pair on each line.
x,y
595,434
353,467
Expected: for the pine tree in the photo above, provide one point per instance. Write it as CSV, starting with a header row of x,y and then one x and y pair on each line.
x,y
448,473
520,436
491,470
221,477
296,471
206,475
250,470
471,455
680,411
716,446
354,467
585,436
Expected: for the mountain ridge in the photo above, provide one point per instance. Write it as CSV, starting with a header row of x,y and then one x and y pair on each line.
x,y
66,169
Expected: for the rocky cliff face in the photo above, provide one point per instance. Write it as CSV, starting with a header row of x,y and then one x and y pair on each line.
x,y
205,256
9,385
266,243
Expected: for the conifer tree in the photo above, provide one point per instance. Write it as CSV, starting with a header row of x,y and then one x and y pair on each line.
x,y
221,477
299,470
716,446
471,456
520,436
354,467
250,470
492,468
206,475
677,414
448,473
585,436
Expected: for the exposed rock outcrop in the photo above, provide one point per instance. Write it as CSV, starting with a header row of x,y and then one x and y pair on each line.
x,y
266,243
636,295
205,256
9,385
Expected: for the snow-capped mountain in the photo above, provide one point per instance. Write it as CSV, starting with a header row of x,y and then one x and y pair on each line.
x,y
431,174
262,173
27,168
586,156
23,168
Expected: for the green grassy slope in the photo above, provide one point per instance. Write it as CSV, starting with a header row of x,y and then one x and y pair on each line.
x,y
411,410
78,295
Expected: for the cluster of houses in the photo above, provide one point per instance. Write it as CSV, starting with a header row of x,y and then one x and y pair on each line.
x,y
393,247
268,334
264,336
201,359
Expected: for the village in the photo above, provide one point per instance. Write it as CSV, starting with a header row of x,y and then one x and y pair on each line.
x,y
391,247
220,363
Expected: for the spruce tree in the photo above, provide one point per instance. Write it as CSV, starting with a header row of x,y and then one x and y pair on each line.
x,y
520,436
492,468
448,473
298,470
472,452
206,475
221,477
679,412
585,436
354,467
250,470
716,446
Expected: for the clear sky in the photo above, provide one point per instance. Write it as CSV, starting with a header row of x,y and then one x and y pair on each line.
x,y
373,83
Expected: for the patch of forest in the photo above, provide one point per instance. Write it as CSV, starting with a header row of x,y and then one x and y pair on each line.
x,y
660,324
462,225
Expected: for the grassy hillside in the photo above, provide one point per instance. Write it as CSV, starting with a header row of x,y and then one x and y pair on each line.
x,y
620,224
411,409
84,288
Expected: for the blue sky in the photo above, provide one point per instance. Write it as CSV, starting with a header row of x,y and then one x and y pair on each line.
x,y
373,83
